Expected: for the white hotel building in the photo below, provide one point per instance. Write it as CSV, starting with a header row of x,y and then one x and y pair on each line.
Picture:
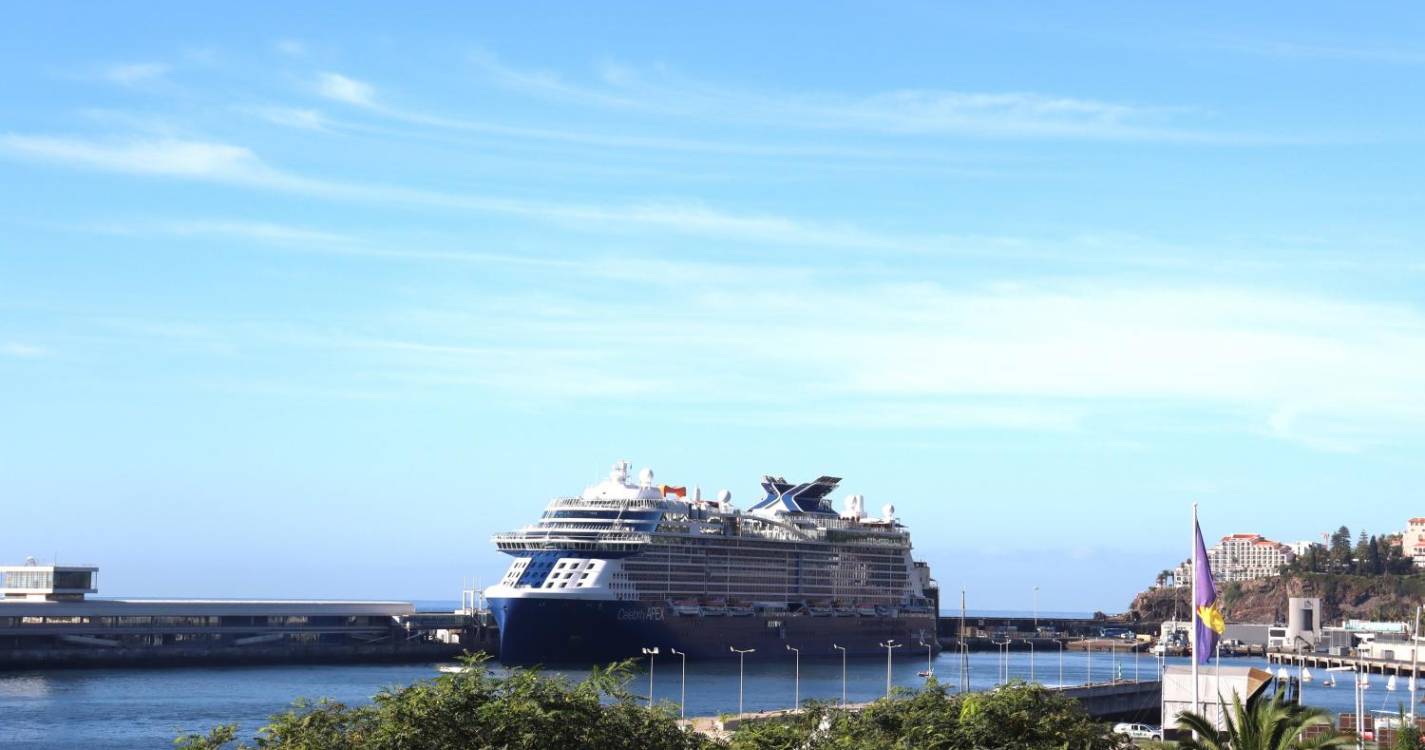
x,y
1240,557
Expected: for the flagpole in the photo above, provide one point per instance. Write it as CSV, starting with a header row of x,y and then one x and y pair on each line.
x,y
1192,607
1217,672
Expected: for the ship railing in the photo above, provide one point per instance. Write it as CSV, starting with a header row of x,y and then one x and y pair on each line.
x,y
614,504
545,540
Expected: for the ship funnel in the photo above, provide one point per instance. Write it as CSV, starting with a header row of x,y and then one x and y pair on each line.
x,y
724,497
645,478
888,512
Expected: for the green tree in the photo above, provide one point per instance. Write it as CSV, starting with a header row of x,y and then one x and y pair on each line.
x,y
1360,555
1375,561
1340,556
1262,724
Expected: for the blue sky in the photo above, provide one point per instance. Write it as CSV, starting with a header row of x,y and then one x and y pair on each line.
x,y
311,302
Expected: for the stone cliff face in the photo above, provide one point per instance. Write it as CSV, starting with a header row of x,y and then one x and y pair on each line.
x,y
1265,600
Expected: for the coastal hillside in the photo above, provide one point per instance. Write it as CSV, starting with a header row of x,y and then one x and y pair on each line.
x,y
1378,597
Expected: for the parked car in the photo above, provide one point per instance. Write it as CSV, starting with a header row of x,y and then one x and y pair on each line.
x,y
1139,731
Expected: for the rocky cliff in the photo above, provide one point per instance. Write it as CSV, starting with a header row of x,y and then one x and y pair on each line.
x,y
1264,600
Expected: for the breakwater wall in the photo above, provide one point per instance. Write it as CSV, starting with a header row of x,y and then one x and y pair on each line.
x,y
183,656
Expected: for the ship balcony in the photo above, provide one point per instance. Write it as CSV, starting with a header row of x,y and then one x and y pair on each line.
x,y
538,539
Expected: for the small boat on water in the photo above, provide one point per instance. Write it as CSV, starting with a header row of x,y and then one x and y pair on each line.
x,y
927,673
1330,681
452,669
1390,684
1305,674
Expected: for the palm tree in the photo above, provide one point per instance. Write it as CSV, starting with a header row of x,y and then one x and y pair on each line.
x,y
1260,725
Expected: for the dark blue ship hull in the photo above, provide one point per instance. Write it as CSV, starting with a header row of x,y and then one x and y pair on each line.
x,y
556,630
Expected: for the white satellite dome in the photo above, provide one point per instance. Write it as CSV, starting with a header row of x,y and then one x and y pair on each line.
x,y
724,497
645,477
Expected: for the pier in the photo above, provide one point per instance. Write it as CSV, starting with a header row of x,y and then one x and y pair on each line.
x,y
1357,663
1018,633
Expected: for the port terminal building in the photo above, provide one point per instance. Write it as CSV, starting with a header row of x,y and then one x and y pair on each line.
x,y
48,618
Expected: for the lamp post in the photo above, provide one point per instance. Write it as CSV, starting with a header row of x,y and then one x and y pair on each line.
x,y
888,645
650,653
683,687
741,655
929,663
1031,659
1088,649
1414,661
842,649
1002,653
1061,661
1036,610
797,689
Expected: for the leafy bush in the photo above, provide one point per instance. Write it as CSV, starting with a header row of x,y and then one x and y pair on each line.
x,y
530,711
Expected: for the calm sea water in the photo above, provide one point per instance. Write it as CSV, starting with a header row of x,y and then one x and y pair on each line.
x,y
147,708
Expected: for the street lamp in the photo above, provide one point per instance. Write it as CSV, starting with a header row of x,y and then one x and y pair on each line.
x,y
1031,659
650,652
888,645
741,655
1088,649
929,664
1036,610
683,689
1002,653
842,649
1061,661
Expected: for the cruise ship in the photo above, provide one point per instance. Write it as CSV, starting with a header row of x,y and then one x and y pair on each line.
x,y
630,564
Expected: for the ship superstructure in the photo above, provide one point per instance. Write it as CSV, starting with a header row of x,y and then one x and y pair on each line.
x,y
632,564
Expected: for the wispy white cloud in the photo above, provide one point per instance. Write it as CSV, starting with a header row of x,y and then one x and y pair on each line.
x,y
292,117
22,350
230,164
896,111
290,47
343,89
165,157
1326,373
131,74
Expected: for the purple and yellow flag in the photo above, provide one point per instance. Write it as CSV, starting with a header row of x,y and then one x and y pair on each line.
x,y
1206,614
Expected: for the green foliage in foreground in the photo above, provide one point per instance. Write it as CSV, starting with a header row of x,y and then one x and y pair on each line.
x,y
475,709
530,711
1014,717
1262,724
